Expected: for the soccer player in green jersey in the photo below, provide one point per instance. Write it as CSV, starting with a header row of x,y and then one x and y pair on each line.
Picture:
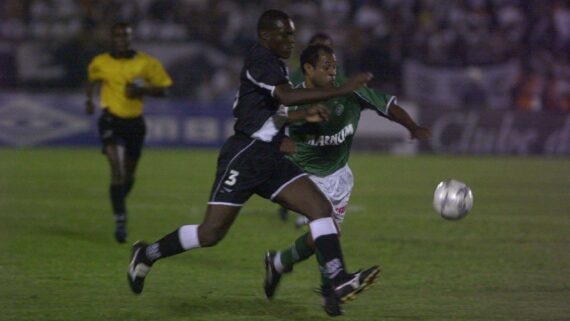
x,y
322,150
297,77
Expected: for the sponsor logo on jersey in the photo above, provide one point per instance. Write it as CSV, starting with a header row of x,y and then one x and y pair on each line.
x,y
335,139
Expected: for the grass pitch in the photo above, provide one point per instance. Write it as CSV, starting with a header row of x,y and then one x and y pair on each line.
x,y
509,259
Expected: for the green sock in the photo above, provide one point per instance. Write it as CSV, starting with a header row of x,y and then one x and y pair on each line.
x,y
296,253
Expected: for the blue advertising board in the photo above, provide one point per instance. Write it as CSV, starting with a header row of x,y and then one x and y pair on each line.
x,y
60,120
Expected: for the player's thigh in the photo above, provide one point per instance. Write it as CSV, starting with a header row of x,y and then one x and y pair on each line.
x,y
133,132
340,199
280,173
237,173
303,196
337,187
108,131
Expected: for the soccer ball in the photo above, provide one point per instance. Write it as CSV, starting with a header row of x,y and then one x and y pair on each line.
x,y
452,199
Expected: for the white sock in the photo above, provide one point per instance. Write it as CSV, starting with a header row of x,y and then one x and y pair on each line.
x,y
277,263
322,226
188,235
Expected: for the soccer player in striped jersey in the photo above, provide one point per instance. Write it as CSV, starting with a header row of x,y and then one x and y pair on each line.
x,y
322,150
125,76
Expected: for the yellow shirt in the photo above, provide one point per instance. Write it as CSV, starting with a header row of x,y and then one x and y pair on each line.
x,y
115,74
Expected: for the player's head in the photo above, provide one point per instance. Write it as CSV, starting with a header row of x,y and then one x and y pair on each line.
x,y
321,38
121,34
276,31
318,63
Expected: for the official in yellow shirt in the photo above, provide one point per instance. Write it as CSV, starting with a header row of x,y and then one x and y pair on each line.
x,y
125,77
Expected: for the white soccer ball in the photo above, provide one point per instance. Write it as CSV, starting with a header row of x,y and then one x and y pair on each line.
x,y
452,199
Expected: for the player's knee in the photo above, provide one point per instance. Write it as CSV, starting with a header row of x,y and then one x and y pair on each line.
x,y
210,236
210,240
117,178
324,209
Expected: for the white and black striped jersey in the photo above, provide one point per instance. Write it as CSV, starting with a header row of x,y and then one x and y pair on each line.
x,y
259,113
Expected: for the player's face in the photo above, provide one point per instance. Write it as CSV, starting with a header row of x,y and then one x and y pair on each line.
x,y
323,75
281,40
121,38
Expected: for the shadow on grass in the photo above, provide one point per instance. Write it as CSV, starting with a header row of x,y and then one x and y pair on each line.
x,y
246,308
76,233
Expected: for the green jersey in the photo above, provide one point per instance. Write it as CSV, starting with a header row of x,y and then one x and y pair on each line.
x,y
323,148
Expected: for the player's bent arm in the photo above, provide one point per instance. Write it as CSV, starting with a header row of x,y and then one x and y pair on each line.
x,y
156,91
287,146
313,114
89,93
289,96
135,91
399,115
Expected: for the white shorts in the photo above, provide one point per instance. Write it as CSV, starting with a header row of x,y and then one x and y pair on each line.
x,y
337,188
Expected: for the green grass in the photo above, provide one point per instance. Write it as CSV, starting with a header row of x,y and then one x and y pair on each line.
x,y
509,259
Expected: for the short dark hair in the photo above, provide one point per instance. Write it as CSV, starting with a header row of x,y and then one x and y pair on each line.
x,y
268,19
319,36
311,55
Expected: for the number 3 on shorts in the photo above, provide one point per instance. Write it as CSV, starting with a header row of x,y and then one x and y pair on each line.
x,y
232,178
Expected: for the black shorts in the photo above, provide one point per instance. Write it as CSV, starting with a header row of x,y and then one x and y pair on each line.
x,y
128,132
247,166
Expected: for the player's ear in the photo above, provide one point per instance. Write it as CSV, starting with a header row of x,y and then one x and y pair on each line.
x,y
309,69
263,34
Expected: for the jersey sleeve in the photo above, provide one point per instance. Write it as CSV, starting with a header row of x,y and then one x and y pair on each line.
x,y
266,75
94,70
375,100
156,75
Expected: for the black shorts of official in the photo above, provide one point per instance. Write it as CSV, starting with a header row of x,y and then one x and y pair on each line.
x,y
247,166
128,132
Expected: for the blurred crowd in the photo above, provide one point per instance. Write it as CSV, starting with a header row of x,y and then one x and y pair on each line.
x,y
375,35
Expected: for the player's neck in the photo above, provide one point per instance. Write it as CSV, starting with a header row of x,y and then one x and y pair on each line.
x,y
264,44
308,83
123,54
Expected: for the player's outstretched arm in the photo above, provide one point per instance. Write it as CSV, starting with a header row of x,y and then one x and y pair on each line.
x,y
289,96
399,115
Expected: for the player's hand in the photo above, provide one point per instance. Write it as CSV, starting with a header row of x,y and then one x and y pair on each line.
x,y
420,133
357,81
317,113
134,91
89,107
288,146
